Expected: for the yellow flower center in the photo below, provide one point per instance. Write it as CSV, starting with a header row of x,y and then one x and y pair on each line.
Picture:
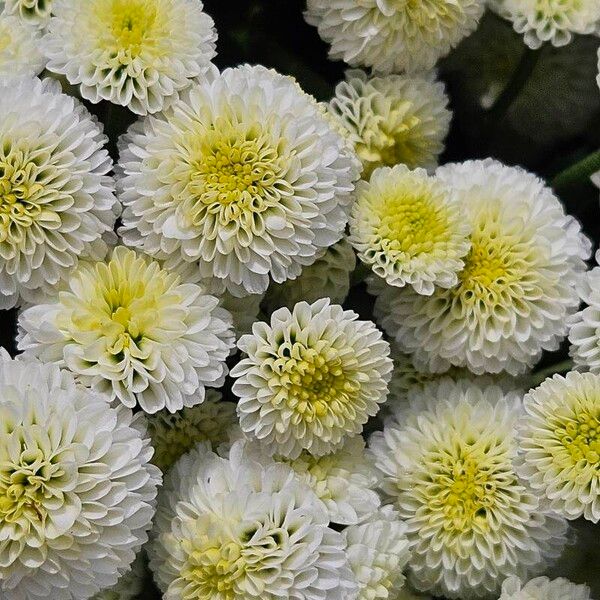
x,y
580,436
130,21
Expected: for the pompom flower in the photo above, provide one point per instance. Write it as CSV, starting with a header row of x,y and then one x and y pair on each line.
x,y
77,492
56,199
560,443
311,378
393,36
136,53
20,51
133,330
448,465
245,178
409,229
32,12
130,586
245,527
518,286
542,588
393,119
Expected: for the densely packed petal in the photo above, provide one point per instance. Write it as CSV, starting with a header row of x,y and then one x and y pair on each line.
x,y
32,12
20,50
542,588
130,586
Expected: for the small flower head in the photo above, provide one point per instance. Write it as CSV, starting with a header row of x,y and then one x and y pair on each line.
x,y
20,48
542,588
410,229
393,119
311,378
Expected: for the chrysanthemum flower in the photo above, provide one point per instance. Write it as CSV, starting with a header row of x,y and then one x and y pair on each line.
x,y
244,527
130,586
20,51
311,378
410,229
173,435
448,465
552,21
56,199
378,552
393,119
327,277
32,12
560,443
393,36
245,178
136,53
518,286
77,491
133,330
542,588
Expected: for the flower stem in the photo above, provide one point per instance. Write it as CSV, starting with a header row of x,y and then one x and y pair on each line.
x,y
580,172
561,367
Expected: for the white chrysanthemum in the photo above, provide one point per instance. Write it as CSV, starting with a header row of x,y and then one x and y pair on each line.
x,y
327,277
448,465
244,177
130,586
131,329
20,52
518,286
173,435
377,551
559,439
77,491
410,229
136,53
552,21
393,119
32,12
56,199
245,527
392,35
542,588
311,378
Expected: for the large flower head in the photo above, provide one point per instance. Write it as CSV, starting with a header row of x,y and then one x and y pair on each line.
x,y
77,491
135,331
244,177
542,588
20,51
56,199
245,527
393,119
518,285
393,35
560,443
137,53
410,229
311,377
448,466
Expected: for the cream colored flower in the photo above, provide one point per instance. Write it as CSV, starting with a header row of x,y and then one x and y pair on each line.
x,y
77,491
136,53
448,465
130,586
543,588
310,379
32,12
410,229
244,178
20,51
134,331
393,119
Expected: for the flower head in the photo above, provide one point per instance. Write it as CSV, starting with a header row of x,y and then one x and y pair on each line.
x,y
77,491
448,465
392,35
518,285
20,50
133,330
410,229
311,378
393,119
542,588
245,178
136,53
32,12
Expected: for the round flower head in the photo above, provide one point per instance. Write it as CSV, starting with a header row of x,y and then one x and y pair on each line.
x,y
20,50
244,527
410,229
560,443
393,119
378,552
447,463
517,288
311,378
56,199
130,586
327,277
32,12
77,491
392,35
245,177
136,53
542,588
133,330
